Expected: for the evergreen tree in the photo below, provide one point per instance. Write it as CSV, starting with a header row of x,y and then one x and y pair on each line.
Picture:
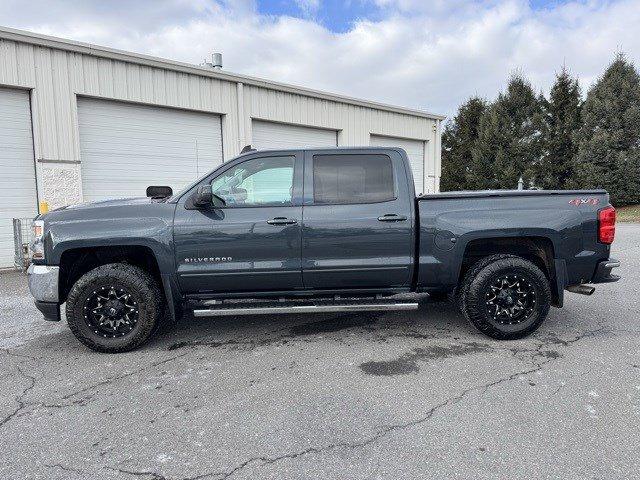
x,y
561,122
609,139
509,139
458,140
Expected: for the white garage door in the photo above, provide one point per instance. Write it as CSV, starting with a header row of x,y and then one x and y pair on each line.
x,y
271,135
415,152
125,148
17,178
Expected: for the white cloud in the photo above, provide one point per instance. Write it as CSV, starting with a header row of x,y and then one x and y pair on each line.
x,y
308,7
431,58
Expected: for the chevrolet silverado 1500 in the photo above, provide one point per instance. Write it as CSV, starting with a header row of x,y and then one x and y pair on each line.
x,y
322,230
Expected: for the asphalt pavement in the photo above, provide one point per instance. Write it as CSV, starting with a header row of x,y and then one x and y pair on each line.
x,y
396,395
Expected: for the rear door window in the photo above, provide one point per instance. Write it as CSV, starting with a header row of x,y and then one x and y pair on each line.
x,y
349,179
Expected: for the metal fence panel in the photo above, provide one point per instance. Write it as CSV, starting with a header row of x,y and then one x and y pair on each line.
x,y
21,240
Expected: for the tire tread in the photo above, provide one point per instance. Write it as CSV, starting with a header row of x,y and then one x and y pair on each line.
x,y
138,279
469,301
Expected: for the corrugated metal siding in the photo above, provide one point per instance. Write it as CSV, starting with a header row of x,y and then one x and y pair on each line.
x,y
17,180
272,135
354,124
57,76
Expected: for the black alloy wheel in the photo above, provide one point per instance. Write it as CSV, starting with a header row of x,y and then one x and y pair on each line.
x,y
115,307
111,311
505,296
510,299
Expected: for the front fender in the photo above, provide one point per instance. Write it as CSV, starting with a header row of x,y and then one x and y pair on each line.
x,y
106,228
118,229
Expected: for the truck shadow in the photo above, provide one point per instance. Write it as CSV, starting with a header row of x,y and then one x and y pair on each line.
x,y
431,320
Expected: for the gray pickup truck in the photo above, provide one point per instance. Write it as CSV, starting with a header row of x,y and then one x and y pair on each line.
x,y
322,230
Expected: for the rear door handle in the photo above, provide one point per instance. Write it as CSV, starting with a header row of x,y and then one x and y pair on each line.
x,y
392,217
282,221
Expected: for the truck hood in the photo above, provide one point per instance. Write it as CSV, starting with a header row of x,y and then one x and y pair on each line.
x,y
121,207
118,202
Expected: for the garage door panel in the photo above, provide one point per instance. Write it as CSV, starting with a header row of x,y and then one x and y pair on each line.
x,y
17,175
272,135
415,152
145,145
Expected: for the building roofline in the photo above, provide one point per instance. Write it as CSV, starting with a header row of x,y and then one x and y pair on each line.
x,y
32,38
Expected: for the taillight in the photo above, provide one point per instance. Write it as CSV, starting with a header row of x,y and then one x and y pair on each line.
x,y
607,225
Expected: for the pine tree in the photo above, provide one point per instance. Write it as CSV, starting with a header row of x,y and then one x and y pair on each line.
x,y
609,139
561,122
509,139
458,140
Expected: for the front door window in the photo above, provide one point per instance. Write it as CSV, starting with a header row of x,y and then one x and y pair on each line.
x,y
256,183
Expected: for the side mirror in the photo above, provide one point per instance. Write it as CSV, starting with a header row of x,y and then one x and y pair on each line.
x,y
158,191
217,201
205,197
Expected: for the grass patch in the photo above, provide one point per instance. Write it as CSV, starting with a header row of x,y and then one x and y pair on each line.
x,y
630,213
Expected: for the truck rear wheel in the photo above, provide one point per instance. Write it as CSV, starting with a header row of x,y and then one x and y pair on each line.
x,y
114,308
505,297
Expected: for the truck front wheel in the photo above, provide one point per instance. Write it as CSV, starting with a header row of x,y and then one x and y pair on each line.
x,y
505,296
114,308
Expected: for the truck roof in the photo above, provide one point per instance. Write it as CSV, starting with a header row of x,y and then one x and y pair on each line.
x,y
338,149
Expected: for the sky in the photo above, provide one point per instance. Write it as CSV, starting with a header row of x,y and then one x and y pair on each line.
x,y
425,54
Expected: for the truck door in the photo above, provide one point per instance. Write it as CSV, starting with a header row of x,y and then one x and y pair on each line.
x,y
357,220
253,243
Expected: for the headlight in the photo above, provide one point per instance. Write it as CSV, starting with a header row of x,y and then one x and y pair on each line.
x,y
37,244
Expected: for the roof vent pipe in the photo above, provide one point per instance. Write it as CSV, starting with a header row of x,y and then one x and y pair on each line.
x,y
216,60
215,63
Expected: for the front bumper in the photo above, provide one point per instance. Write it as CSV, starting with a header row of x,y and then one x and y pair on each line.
x,y
50,310
43,285
603,271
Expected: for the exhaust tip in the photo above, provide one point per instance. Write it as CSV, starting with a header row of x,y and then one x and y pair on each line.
x,y
582,289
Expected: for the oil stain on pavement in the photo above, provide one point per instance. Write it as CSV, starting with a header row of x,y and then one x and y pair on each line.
x,y
408,363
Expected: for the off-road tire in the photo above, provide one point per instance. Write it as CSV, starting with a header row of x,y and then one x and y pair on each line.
x,y
150,301
473,291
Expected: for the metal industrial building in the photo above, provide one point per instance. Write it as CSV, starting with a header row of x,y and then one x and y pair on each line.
x,y
80,122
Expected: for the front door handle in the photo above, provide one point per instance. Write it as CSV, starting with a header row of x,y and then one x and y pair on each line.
x,y
392,217
282,221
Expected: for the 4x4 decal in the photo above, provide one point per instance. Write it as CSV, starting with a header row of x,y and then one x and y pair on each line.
x,y
584,201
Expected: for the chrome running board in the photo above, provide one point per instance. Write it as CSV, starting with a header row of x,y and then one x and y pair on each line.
x,y
222,312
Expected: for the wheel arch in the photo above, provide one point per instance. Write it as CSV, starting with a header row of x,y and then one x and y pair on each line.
x,y
76,261
540,250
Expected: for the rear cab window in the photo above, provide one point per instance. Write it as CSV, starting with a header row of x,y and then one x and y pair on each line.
x,y
352,179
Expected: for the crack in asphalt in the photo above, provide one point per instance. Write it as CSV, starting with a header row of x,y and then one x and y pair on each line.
x,y
64,467
139,473
120,377
81,402
539,356
20,399
18,355
154,475
374,438
537,352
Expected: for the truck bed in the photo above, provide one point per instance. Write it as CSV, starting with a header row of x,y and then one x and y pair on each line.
x,y
564,221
